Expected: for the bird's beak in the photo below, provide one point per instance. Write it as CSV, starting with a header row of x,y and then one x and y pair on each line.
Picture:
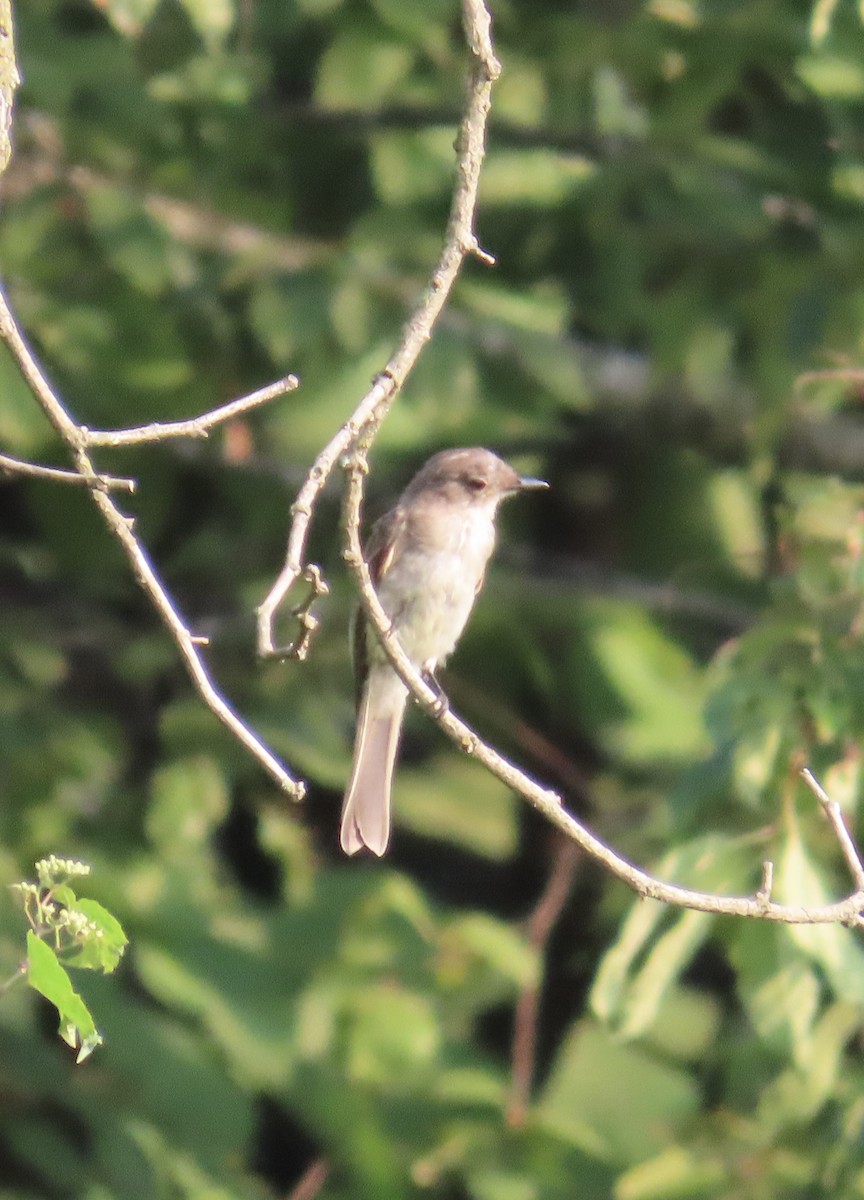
x,y
527,484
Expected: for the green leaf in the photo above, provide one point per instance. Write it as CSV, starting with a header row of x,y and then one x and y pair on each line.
x,y
46,976
410,167
781,990
361,70
543,311
820,20
614,1100
522,92
498,946
136,246
800,881
425,24
833,77
235,996
757,757
287,314
129,16
21,429
212,19
670,955
798,1094
64,895
488,1183
535,178
614,110
189,799
686,1025
454,800
556,364
40,664
180,1174
637,971
676,1173
101,952
392,1035
655,681
206,78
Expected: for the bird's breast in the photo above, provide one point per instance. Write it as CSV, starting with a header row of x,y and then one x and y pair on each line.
x,y
429,590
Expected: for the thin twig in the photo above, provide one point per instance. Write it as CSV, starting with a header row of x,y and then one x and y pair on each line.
x,y
763,896
9,983
199,226
195,427
540,926
17,466
545,800
121,528
459,241
834,813
830,375
311,1181
10,79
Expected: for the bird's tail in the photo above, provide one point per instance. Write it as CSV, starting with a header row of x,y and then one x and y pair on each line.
x,y
366,808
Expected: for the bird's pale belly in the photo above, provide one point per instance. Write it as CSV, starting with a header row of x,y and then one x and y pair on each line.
x,y
429,596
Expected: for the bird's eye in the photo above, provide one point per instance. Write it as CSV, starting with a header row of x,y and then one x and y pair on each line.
x,y
476,484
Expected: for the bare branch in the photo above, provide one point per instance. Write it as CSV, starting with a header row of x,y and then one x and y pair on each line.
x,y
830,375
834,813
763,896
9,983
302,612
311,1181
16,466
546,801
201,227
196,427
459,241
10,78
42,164
121,528
542,921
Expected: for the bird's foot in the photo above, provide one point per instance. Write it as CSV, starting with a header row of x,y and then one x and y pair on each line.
x,y
440,703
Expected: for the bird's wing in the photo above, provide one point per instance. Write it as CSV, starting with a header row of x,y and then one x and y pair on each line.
x,y
380,550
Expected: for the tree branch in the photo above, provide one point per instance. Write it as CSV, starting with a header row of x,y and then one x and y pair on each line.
x,y
196,427
10,78
459,241
834,813
545,800
16,466
121,527
311,1181
540,926
78,439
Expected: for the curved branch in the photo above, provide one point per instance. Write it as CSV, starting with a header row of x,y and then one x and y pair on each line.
x,y
196,427
459,241
121,528
10,79
545,800
525,1024
834,814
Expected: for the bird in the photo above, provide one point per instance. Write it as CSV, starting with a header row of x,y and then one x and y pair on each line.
x,y
427,558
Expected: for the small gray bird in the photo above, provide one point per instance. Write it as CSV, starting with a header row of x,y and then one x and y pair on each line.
x,y
427,558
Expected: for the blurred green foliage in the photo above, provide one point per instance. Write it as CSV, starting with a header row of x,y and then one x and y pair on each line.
x,y
205,195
